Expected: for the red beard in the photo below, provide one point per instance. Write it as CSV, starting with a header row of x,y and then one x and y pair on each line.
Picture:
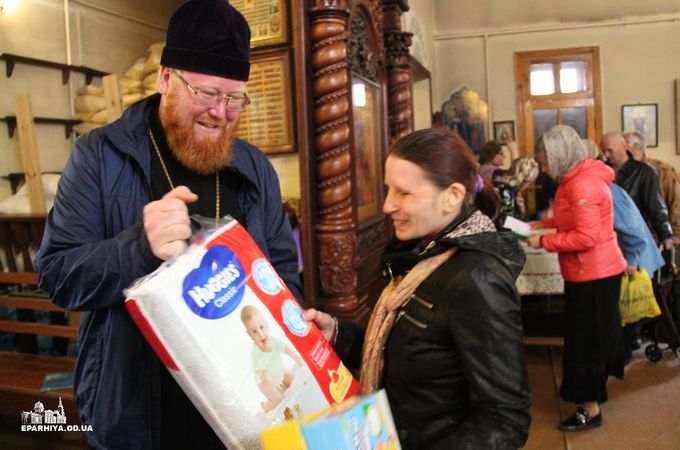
x,y
205,155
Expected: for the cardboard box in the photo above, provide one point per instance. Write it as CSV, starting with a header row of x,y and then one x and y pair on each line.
x,y
232,335
361,423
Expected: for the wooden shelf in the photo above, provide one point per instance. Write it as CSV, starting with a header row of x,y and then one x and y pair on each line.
x,y
12,60
67,123
16,179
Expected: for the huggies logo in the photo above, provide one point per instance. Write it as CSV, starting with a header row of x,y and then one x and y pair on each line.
x,y
216,287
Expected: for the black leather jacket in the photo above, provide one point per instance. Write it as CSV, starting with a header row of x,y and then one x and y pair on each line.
x,y
641,182
455,372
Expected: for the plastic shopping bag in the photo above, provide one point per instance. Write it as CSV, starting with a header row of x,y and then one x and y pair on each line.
x,y
637,300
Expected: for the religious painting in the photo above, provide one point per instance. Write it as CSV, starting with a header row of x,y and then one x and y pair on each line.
x,y
268,20
504,131
468,114
367,145
643,119
268,121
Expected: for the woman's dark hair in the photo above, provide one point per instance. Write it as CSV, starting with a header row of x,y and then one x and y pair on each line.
x,y
489,151
446,159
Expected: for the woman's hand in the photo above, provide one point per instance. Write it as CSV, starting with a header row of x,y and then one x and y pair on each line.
x,y
327,324
534,241
535,224
513,148
630,270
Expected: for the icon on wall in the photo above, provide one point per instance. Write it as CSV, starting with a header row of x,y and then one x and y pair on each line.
x,y
468,114
643,119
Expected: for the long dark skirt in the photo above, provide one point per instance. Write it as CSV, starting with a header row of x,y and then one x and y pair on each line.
x,y
593,340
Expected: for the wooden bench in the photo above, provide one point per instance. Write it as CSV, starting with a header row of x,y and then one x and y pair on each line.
x,y
23,369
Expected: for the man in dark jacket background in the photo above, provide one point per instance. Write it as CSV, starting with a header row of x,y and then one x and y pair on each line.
x,y
641,182
123,207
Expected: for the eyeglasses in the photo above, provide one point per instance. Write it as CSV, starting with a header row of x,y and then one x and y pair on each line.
x,y
236,101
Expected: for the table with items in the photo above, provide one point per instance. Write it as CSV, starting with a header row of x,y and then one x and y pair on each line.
x,y
541,276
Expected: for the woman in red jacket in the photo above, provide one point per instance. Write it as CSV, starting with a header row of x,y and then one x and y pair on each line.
x,y
591,264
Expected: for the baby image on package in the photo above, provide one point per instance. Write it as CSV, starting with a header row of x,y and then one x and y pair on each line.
x,y
232,335
272,376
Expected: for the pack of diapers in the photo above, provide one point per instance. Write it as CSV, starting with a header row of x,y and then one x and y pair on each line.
x,y
232,335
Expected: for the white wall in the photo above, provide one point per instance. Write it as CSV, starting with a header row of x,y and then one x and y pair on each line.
x,y
639,45
101,34
423,28
419,20
487,15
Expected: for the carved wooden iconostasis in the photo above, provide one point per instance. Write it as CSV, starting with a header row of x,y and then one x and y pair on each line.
x,y
331,80
358,102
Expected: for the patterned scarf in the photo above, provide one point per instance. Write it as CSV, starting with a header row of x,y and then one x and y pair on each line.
x,y
397,292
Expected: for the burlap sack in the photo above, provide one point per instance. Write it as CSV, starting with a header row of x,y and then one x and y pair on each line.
x,y
136,72
153,63
156,48
84,127
129,99
99,118
90,89
83,116
130,86
89,103
150,81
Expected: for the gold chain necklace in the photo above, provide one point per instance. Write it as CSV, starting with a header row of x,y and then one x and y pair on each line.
x,y
172,185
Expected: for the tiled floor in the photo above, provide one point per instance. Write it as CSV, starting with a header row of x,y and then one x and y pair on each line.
x,y
641,413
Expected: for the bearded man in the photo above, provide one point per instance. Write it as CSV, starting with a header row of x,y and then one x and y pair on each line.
x,y
123,207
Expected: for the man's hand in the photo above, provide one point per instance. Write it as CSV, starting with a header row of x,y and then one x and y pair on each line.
x,y
535,224
166,222
668,243
325,322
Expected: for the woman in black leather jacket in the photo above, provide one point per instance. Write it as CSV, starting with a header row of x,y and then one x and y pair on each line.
x,y
449,321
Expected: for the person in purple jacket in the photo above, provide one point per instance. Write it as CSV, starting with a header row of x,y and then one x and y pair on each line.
x,y
123,207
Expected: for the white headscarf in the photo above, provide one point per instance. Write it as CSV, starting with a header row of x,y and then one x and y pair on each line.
x,y
564,150
591,149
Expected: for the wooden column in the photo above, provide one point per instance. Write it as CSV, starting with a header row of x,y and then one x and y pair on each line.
x,y
29,154
399,75
335,229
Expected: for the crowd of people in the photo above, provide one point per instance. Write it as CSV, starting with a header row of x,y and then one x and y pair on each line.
x,y
445,339
611,220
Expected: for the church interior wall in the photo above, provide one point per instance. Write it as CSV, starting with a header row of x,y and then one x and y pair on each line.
x,y
465,43
639,45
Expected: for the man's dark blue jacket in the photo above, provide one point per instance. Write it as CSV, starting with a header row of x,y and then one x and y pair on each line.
x,y
94,247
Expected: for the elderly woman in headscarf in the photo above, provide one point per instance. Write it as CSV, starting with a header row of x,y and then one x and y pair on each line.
x,y
592,265
592,152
